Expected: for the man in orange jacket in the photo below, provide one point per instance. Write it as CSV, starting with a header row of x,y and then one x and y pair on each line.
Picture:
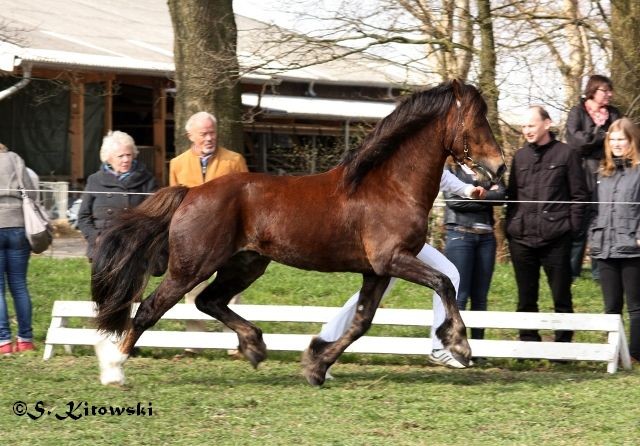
x,y
203,162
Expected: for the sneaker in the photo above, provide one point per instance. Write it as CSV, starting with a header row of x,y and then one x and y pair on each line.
x,y
23,346
446,358
6,349
328,375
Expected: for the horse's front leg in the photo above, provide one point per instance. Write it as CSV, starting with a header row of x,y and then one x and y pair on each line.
x,y
112,353
452,331
321,354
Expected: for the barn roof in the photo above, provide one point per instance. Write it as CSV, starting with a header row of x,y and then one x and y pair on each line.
x,y
137,38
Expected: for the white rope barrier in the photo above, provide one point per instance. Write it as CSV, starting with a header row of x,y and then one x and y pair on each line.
x,y
437,201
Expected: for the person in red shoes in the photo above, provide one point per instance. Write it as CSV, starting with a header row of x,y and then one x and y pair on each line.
x,y
14,252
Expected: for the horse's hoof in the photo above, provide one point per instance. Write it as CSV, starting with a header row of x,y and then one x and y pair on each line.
x,y
254,356
112,376
314,378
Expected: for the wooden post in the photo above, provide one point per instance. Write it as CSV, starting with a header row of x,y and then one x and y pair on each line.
x,y
76,130
159,131
108,105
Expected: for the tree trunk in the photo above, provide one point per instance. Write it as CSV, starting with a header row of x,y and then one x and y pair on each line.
x,y
487,59
625,37
488,86
207,73
573,69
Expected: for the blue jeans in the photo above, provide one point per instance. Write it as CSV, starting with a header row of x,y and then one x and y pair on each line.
x,y
475,256
14,259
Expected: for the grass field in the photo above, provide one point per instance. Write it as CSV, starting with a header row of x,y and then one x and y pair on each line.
x,y
374,400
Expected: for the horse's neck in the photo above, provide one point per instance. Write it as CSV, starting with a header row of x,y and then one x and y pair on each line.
x,y
417,167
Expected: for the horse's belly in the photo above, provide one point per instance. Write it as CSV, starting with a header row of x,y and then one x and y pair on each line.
x,y
313,254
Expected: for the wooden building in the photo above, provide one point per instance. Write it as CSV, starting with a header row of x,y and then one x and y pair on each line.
x,y
70,71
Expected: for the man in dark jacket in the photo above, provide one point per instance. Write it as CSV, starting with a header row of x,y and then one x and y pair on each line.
x,y
545,176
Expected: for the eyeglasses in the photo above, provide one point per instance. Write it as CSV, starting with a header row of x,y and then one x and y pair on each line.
x,y
606,90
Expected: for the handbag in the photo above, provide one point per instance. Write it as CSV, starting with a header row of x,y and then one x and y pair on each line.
x,y
36,221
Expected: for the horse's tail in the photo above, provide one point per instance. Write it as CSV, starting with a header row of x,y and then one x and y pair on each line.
x,y
126,252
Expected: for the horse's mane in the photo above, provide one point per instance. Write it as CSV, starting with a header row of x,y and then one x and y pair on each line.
x,y
412,113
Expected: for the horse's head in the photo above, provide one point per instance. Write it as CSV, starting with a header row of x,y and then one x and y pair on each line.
x,y
472,143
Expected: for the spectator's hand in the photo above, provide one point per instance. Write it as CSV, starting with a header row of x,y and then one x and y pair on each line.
x,y
478,193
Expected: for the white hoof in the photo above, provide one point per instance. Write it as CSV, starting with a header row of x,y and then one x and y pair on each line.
x,y
111,360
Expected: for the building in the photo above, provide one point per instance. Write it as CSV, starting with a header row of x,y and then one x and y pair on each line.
x,y
74,70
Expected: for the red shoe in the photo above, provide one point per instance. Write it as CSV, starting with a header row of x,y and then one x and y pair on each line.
x,y
6,349
23,346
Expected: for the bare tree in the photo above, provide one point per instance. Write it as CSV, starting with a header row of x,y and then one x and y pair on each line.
x,y
625,35
439,35
442,30
553,39
448,26
487,78
207,72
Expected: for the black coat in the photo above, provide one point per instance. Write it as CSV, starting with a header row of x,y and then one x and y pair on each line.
x,y
584,136
551,172
468,212
98,211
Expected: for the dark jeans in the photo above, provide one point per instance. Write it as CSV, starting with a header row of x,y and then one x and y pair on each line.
x,y
474,255
620,278
14,259
578,248
555,259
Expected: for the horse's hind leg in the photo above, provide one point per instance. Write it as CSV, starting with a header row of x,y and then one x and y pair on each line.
x,y
320,354
113,353
234,276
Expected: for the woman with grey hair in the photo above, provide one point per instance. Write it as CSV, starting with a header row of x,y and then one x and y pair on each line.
x,y
119,184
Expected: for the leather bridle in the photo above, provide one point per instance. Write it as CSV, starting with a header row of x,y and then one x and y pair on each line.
x,y
475,166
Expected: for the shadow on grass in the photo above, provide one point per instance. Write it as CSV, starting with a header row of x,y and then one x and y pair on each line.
x,y
285,373
282,369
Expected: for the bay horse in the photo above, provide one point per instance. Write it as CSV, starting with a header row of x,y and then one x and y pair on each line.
x,y
367,215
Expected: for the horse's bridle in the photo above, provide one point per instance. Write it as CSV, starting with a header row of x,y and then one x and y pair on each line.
x,y
475,166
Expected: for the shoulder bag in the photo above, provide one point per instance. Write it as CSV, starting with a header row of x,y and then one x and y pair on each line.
x,y
36,222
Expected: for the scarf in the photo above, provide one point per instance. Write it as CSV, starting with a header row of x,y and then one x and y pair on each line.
x,y
120,176
599,115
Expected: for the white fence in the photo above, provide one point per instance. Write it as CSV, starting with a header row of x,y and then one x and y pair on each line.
x,y
613,351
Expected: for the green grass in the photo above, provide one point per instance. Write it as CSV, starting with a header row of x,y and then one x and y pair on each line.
x,y
375,399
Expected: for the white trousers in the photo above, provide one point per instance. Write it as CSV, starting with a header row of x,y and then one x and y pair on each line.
x,y
339,324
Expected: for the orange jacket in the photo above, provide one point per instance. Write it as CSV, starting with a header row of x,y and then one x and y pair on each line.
x,y
185,168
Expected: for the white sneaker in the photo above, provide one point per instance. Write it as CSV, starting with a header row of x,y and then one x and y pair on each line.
x,y
328,375
445,358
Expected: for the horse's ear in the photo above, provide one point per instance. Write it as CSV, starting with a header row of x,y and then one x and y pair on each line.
x,y
457,86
